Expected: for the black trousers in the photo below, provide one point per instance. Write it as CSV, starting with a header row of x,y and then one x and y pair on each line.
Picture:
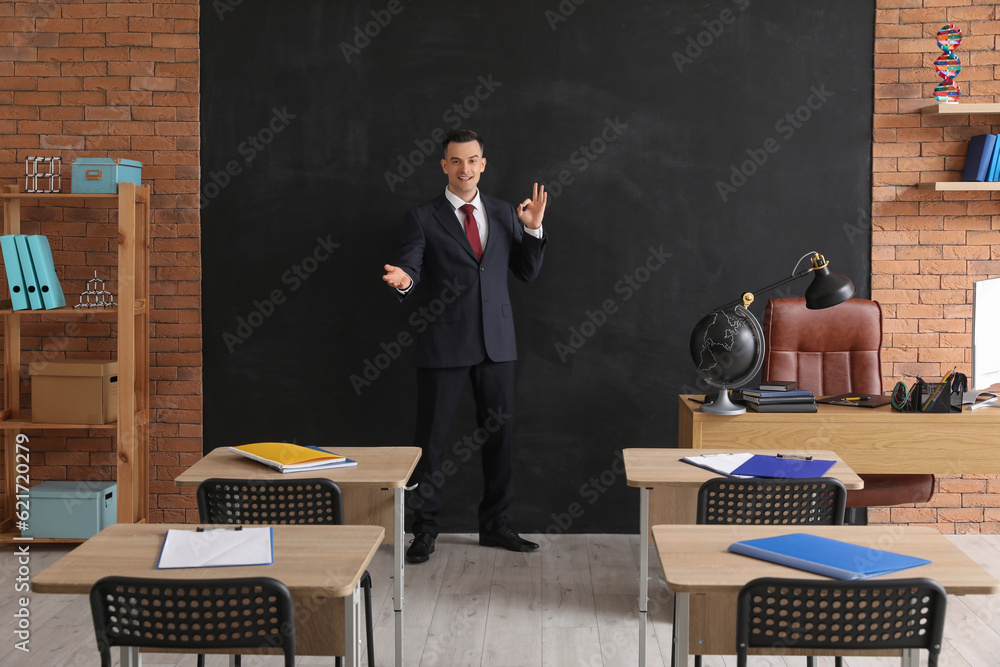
x,y
438,394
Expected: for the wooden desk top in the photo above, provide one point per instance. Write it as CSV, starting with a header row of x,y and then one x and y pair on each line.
x,y
382,467
842,413
663,467
325,561
695,557
869,440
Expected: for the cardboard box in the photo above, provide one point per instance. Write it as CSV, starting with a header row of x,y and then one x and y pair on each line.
x,y
71,509
101,175
74,391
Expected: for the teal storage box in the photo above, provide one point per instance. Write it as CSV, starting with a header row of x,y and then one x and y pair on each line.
x,y
69,509
101,175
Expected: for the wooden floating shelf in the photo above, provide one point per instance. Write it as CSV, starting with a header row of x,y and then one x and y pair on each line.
x,y
959,108
958,186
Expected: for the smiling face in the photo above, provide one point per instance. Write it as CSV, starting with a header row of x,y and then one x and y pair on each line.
x,y
463,162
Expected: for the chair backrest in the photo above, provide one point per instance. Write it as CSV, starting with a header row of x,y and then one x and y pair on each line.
x,y
252,612
830,615
828,351
279,501
817,501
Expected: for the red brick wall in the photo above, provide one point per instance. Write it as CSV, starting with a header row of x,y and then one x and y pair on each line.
x,y
928,247
114,79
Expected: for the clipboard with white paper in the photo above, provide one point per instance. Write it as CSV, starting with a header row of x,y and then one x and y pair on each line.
x,y
217,547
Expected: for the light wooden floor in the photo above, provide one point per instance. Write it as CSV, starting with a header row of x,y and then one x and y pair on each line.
x,y
572,604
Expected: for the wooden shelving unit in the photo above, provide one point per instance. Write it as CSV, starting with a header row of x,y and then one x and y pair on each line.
x,y
132,316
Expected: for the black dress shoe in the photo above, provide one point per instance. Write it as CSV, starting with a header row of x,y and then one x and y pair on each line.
x,y
421,548
506,537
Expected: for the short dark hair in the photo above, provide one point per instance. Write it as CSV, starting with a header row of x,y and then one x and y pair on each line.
x,y
461,137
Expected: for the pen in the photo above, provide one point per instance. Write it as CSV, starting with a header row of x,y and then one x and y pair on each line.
x,y
856,398
793,456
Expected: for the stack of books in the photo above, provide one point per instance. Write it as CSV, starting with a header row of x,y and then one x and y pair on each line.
x,y
982,161
779,397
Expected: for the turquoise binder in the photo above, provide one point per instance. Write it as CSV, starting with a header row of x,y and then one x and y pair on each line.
x,y
28,272
15,280
45,272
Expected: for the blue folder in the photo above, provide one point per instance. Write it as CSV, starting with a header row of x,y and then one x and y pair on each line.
x,y
978,158
762,465
826,556
45,272
994,170
28,272
15,280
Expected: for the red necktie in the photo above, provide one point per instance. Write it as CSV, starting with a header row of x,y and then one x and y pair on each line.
x,y
472,230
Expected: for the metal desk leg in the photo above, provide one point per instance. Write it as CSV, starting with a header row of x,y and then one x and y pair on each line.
x,y
352,621
397,558
643,571
682,623
130,656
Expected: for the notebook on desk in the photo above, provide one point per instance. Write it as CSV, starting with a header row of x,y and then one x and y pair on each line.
x,y
856,400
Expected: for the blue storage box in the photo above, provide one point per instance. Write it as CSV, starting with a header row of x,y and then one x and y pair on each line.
x,y
71,509
101,175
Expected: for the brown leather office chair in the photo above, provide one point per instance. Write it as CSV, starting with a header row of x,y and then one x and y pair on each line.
x,y
834,351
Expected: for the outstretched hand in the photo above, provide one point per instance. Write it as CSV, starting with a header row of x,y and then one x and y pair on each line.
x,y
531,211
396,277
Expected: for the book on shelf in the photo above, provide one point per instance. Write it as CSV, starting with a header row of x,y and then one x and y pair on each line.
x,y
994,169
806,406
826,556
979,157
779,385
287,457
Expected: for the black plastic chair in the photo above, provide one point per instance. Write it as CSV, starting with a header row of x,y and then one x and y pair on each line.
x,y
838,615
251,612
815,501
303,501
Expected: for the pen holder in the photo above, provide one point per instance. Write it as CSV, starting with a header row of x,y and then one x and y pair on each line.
x,y
926,397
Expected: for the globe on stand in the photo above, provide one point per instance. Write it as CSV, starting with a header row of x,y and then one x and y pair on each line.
x,y
727,347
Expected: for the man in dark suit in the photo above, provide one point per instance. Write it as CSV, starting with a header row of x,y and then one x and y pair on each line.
x,y
462,244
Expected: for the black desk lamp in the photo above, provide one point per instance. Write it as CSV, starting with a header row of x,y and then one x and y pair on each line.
x,y
727,345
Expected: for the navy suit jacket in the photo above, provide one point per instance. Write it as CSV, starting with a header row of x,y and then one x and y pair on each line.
x,y
467,317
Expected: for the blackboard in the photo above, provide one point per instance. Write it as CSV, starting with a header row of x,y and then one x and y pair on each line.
x,y
693,150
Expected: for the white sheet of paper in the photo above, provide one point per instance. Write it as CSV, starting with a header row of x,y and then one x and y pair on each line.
x,y
724,463
217,547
